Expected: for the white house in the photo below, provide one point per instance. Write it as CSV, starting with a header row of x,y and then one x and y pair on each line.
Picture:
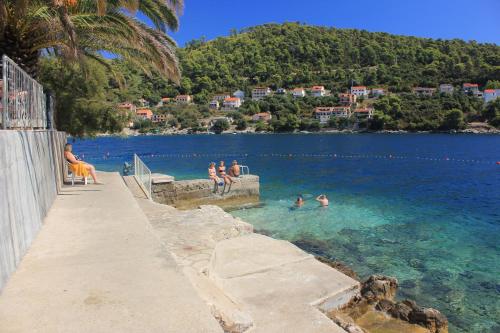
x,y
232,103
183,99
364,113
491,94
471,88
359,91
240,94
221,97
424,91
213,105
446,88
347,99
325,113
299,92
259,93
378,92
318,91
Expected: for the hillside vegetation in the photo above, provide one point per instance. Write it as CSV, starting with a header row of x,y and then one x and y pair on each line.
x,y
291,54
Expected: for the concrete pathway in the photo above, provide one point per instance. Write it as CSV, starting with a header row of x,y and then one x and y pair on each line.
x,y
96,266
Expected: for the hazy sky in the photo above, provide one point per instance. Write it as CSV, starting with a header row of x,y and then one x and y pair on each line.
x,y
466,19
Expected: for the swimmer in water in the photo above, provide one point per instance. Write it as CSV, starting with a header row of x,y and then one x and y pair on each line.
x,y
323,200
300,201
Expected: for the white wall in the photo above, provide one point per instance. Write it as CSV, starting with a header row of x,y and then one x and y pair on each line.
x,y
30,177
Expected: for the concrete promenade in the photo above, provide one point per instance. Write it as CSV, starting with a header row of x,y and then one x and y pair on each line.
x,y
96,266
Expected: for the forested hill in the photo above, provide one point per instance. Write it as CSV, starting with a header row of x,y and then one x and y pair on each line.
x,y
292,54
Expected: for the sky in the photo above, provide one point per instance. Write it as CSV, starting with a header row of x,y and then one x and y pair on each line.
x,y
447,19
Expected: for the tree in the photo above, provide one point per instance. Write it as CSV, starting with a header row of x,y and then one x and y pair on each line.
x,y
84,106
220,126
78,29
241,124
492,112
453,119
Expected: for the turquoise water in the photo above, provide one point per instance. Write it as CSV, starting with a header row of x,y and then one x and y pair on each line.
x,y
424,208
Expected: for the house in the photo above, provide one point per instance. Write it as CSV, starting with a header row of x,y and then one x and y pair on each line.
x,y
347,99
214,105
470,88
240,94
359,91
446,88
366,113
423,91
221,97
318,91
263,116
376,92
183,99
259,93
159,118
325,113
232,103
127,106
281,91
491,94
144,114
163,101
299,92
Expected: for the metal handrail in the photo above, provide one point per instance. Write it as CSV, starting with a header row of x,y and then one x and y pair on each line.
x,y
243,168
143,176
24,104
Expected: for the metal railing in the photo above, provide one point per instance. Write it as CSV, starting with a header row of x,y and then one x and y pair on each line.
x,y
245,170
143,175
23,102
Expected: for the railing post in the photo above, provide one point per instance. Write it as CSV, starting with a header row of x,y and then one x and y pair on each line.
x,y
5,93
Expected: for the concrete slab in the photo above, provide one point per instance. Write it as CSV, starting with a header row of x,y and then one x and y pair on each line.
x,y
280,295
96,266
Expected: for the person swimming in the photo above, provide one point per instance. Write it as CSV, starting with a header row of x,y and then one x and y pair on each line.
x,y
323,200
300,201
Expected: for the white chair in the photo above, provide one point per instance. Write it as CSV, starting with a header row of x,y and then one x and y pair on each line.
x,y
72,175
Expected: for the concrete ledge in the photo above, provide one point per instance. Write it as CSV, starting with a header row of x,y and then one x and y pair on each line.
x,y
188,194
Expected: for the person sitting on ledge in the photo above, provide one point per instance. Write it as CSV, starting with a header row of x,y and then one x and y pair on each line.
x,y
79,168
323,200
212,174
234,170
222,173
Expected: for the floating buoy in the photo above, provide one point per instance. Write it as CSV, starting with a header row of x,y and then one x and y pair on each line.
x,y
498,162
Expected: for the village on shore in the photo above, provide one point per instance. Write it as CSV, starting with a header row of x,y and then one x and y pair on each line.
x,y
356,103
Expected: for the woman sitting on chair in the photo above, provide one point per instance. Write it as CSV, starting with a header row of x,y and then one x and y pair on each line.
x,y
79,168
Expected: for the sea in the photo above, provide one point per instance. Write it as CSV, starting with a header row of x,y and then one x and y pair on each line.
x,y
424,208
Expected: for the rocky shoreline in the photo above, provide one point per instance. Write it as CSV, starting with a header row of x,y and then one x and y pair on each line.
x,y
377,294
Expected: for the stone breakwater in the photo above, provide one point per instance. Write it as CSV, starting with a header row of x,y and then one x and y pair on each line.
x,y
188,194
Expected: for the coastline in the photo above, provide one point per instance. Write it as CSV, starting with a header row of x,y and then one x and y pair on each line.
x,y
332,132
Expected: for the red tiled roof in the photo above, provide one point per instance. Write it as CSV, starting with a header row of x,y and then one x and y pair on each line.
x,y
489,91
232,99
471,85
318,88
358,87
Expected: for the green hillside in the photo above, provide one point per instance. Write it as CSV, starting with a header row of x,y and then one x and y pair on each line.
x,y
292,54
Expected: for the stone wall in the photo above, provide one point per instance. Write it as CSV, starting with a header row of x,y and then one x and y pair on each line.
x,y
31,174
186,194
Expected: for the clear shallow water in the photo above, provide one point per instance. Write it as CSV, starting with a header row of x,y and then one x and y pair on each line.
x,y
424,208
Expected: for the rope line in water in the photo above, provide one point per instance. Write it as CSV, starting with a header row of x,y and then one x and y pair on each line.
x,y
281,155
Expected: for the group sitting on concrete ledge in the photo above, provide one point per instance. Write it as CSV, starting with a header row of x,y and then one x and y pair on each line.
x,y
234,171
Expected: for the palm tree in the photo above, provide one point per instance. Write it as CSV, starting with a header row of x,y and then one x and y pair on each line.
x,y
79,29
